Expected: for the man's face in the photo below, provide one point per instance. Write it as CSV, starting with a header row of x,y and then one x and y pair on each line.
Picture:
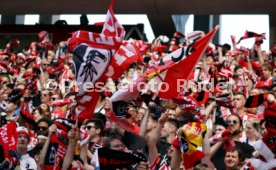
x,y
106,104
233,123
172,113
231,159
219,129
266,72
151,124
42,128
133,112
45,97
140,115
92,130
11,107
44,107
45,65
209,60
239,101
116,144
250,130
37,115
22,142
165,132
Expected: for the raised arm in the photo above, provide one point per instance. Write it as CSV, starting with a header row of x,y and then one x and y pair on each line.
x,y
43,153
153,153
207,149
221,58
260,56
209,108
73,136
143,126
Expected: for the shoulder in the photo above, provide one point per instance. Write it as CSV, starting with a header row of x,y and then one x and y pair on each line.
x,y
27,162
245,148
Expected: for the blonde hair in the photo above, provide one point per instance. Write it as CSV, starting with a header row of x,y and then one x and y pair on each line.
x,y
255,123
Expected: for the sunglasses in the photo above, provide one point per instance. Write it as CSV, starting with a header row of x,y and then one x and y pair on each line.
x,y
46,65
89,127
42,128
228,122
53,98
45,94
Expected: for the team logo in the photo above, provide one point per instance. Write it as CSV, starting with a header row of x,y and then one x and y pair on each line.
x,y
90,64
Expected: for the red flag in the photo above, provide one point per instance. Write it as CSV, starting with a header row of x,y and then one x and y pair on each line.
x,y
96,56
8,138
177,66
168,70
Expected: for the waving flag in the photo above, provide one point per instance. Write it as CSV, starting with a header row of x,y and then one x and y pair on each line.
x,y
195,35
96,56
250,34
188,140
171,71
177,65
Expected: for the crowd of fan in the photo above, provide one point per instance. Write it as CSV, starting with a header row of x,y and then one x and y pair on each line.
x,y
27,98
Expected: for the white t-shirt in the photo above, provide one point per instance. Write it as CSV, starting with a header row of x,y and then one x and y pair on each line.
x,y
27,163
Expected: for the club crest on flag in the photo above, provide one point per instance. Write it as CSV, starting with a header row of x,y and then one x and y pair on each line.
x,y
94,62
97,57
184,146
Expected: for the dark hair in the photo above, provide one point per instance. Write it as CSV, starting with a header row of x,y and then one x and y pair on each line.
x,y
221,122
226,46
98,124
107,141
269,67
240,153
100,116
173,122
156,111
45,120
